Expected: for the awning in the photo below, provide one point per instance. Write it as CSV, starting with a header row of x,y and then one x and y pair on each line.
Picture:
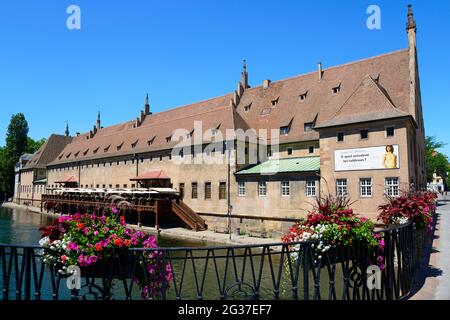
x,y
289,165
151,175
41,181
164,190
70,179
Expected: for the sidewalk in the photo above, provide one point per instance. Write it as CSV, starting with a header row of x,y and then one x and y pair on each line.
x,y
437,275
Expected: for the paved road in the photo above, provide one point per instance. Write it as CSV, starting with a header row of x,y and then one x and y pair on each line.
x,y
437,281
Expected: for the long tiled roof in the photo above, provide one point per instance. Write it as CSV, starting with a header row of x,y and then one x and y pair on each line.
x,y
47,152
370,89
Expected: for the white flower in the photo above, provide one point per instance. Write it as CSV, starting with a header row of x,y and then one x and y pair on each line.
x,y
44,242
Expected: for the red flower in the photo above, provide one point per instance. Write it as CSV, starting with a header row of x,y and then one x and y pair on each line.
x,y
118,242
99,247
127,242
80,226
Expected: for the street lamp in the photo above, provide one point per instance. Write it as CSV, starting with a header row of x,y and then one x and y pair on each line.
x,y
228,156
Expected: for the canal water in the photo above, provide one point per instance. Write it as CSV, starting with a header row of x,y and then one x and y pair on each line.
x,y
21,227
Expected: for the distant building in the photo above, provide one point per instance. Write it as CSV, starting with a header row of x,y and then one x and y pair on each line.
x,y
17,168
354,129
32,180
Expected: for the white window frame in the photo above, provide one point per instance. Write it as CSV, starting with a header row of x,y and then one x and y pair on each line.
x,y
262,188
341,187
285,188
310,188
241,189
365,189
392,186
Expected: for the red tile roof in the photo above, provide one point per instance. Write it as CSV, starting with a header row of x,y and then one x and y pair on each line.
x,y
358,99
151,175
67,180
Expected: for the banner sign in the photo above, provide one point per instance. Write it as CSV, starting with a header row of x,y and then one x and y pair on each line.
x,y
373,158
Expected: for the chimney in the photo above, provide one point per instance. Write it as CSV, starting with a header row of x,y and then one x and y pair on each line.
x,y
266,84
319,67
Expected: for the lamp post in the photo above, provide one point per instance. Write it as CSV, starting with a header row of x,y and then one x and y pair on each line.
x,y
228,156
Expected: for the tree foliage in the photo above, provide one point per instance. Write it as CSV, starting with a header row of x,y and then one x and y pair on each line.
x,y
436,162
17,143
34,145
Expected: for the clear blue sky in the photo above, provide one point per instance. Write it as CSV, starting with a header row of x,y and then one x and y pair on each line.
x,y
185,51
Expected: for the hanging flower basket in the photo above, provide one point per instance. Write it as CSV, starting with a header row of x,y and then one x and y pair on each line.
x,y
100,247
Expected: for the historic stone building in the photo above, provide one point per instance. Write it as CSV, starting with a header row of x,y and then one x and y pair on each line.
x,y
32,180
354,129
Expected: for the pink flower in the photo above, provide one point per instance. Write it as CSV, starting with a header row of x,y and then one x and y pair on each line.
x,y
72,246
64,218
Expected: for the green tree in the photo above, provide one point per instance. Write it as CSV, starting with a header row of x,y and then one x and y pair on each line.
x,y
3,173
34,145
16,145
436,162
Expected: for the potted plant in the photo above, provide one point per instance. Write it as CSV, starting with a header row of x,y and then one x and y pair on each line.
x,y
101,245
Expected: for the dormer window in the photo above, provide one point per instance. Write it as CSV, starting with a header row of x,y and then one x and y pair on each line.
x,y
247,107
119,146
106,149
95,150
336,89
134,144
76,154
284,130
214,131
275,102
150,142
61,155
302,97
169,138
308,126
85,152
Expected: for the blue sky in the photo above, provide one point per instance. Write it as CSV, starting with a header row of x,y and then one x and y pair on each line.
x,y
185,51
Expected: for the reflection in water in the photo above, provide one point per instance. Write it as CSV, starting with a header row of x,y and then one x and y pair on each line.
x,y
21,227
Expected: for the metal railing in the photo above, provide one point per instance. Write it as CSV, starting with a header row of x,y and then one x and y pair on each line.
x,y
269,271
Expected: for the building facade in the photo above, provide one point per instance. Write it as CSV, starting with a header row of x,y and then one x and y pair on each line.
x,y
32,175
354,129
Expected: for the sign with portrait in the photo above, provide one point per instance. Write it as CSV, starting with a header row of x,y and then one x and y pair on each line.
x,y
373,158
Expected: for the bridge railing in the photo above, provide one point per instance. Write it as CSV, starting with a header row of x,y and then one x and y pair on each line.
x,y
268,271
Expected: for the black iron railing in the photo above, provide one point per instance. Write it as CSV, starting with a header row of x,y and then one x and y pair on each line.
x,y
269,271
